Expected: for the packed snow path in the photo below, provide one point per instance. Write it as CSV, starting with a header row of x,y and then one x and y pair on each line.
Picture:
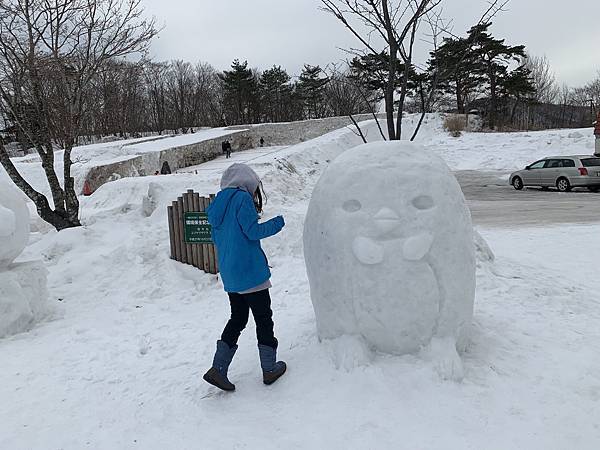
x,y
219,164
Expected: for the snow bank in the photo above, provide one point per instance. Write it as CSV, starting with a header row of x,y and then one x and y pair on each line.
x,y
389,251
23,297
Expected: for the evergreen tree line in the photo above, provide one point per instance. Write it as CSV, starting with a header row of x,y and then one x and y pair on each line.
x,y
130,99
501,82
510,88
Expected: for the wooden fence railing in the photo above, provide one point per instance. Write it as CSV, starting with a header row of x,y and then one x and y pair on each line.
x,y
189,232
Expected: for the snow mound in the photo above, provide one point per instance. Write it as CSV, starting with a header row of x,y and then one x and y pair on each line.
x,y
23,297
14,224
389,251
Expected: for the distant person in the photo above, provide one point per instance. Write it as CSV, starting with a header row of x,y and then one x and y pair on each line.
x,y
165,169
262,142
227,149
245,272
224,147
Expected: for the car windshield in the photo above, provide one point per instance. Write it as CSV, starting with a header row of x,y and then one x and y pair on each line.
x,y
538,165
591,162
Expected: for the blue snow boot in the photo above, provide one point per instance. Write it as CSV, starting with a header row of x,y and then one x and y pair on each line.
x,y
217,375
272,369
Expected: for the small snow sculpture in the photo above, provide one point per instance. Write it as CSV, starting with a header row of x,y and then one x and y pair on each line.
x,y
22,285
14,224
388,244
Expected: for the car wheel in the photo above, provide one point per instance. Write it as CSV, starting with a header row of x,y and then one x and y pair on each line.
x,y
563,185
517,183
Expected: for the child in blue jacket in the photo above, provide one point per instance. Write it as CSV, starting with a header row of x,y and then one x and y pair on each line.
x,y
245,272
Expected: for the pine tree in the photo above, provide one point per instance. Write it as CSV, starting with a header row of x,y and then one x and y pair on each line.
x,y
457,70
240,86
311,86
494,57
516,85
275,92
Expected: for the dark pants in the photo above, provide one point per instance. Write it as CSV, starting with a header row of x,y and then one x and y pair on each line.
x,y
241,304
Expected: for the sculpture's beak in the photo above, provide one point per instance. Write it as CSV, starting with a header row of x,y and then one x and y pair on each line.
x,y
386,220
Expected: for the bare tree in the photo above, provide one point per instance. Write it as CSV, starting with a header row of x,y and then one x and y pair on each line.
x,y
394,24
50,53
208,96
180,94
544,81
156,92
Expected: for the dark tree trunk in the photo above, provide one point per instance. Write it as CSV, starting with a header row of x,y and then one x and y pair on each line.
x,y
404,92
493,99
57,218
402,99
460,103
391,85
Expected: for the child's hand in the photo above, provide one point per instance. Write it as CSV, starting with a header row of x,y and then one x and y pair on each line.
x,y
279,222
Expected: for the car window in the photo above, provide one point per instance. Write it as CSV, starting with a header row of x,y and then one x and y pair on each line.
x,y
568,163
591,162
553,164
538,165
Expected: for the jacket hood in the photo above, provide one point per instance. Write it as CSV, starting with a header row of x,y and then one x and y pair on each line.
x,y
237,177
240,176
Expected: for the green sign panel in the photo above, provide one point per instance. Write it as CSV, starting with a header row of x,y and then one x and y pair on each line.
x,y
196,228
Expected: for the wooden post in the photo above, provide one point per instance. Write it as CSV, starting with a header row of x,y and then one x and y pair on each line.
x,y
191,249
176,233
188,247
199,248
171,231
180,207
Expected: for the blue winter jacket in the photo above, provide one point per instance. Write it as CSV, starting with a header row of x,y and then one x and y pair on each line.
x,y
237,233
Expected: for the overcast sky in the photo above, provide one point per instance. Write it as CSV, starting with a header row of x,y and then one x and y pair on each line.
x,y
293,32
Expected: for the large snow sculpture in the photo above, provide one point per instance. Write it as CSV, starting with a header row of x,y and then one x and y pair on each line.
x,y
388,243
22,285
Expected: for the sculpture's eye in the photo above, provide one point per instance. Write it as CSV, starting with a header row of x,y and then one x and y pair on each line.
x,y
423,202
352,206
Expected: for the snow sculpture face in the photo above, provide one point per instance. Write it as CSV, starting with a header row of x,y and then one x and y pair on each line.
x,y
389,251
14,224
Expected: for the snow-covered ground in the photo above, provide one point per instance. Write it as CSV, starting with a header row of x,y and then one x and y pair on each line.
x,y
219,165
87,156
119,363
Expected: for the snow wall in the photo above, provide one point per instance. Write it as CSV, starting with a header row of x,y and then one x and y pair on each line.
x,y
242,137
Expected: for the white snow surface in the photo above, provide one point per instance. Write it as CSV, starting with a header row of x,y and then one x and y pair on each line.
x,y
179,141
23,297
119,365
87,156
14,223
388,244
8,222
